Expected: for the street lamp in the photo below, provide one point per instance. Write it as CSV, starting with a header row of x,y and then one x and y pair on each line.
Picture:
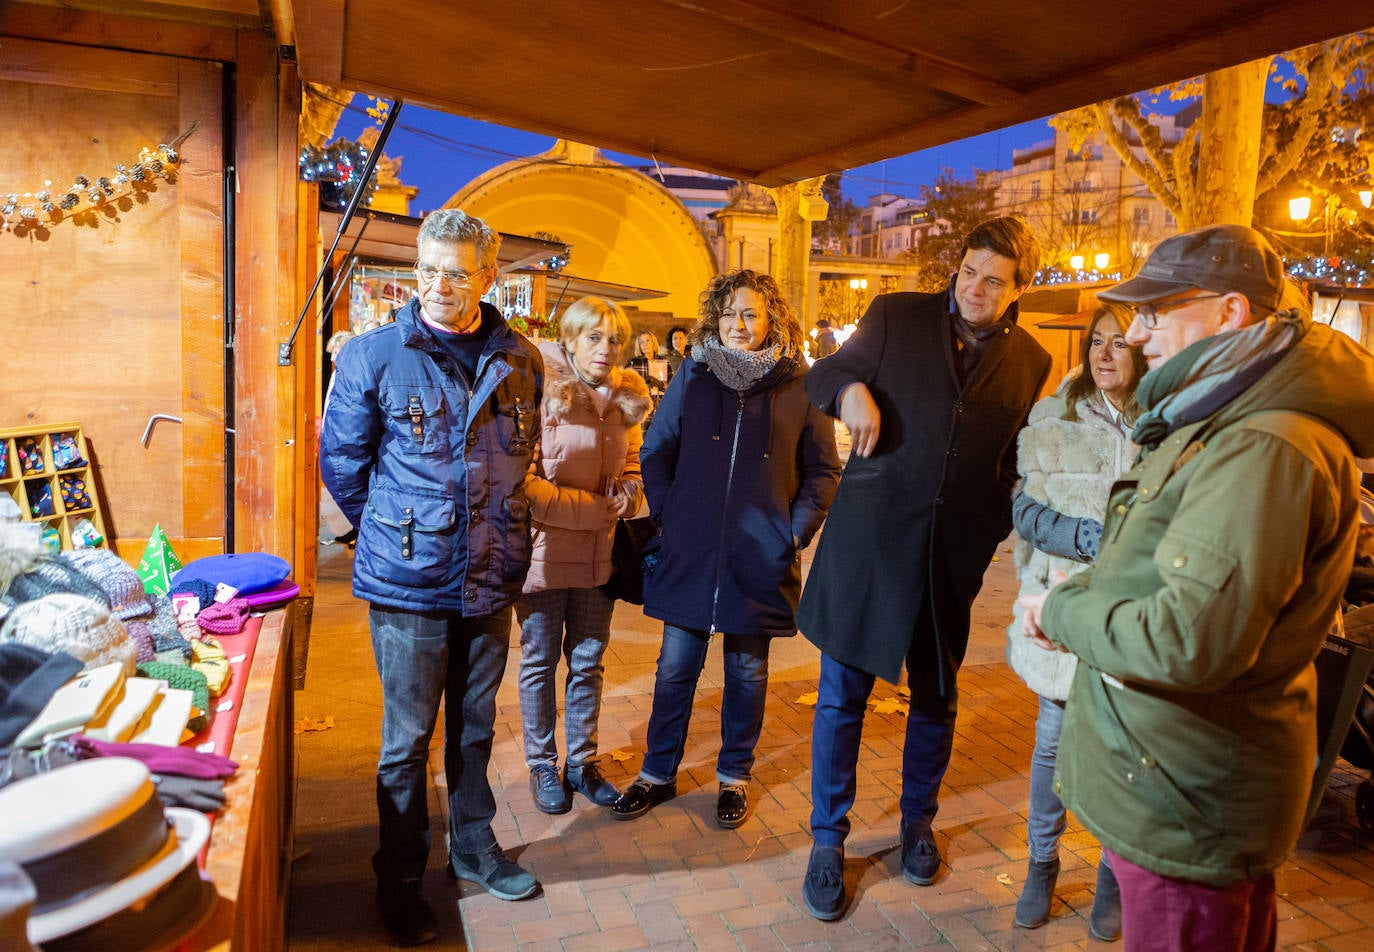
x,y
1076,262
1299,209
860,288
1101,260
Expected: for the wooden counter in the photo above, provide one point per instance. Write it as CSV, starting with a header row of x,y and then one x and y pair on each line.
x,y
249,854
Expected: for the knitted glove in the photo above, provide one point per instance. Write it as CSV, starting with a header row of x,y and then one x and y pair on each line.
x,y
187,679
209,659
181,761
224,618
207,796
1088,538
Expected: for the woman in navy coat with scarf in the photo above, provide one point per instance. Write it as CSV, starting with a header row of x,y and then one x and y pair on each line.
x,y
739,469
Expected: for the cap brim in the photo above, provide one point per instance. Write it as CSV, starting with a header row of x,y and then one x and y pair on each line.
x,y
1140,289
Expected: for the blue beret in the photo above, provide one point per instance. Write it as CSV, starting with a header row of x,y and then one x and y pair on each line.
x,y
245,571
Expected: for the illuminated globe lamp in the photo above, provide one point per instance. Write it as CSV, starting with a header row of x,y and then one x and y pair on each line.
x,y
1101,259
1076,262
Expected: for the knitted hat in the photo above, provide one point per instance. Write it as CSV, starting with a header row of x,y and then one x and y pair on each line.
x,y
27,572
73,625
116,578
200,588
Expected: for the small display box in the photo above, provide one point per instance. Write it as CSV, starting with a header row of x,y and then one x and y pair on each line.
x,y
47,472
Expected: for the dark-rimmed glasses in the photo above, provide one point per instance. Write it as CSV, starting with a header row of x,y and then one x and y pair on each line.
x,y
1149,313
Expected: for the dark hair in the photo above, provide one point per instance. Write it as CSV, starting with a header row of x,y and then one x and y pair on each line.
x,y
1081,386
1010,238
783,326
675,329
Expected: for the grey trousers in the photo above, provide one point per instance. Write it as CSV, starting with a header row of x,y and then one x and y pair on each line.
x,y
574,623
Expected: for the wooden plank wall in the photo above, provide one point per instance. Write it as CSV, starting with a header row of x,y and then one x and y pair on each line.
x,y
108,325
116,317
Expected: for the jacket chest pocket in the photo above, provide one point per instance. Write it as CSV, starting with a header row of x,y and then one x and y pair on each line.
x,y
415,419
516,416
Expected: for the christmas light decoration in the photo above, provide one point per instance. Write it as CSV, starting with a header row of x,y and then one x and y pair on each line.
x,y
23,212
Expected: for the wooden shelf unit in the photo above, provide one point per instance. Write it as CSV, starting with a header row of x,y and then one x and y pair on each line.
x,y
26,485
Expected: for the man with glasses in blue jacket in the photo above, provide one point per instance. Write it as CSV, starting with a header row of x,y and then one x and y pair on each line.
x,y
428,435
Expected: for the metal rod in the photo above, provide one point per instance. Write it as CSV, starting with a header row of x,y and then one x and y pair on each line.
x,y
230,193
284,349
350,260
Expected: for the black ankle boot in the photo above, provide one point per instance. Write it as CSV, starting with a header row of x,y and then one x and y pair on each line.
x,y
1033,908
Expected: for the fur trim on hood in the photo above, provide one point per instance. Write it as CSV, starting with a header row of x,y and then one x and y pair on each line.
x,y
563,389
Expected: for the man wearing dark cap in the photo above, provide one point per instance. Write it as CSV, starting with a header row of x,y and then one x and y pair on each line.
x,y
1190,735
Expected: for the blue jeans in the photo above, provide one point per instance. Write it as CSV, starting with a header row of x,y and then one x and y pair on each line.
x,y
741,708
576,623
1045,817
423,658
842,700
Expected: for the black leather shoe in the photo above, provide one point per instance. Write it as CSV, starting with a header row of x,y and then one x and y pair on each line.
x,y
407,917
823,887
494,872
588,781
548,791
920,855
732,806
641,797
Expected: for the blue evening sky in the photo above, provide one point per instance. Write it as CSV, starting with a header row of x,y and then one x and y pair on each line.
x,y
442,152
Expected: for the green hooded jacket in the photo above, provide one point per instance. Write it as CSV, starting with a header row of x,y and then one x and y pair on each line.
x,y
1189,742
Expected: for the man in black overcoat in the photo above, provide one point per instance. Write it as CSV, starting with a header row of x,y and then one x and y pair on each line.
x,y
933,389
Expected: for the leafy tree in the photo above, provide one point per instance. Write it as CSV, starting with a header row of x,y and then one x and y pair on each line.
x,y
1237,149
956,205
832,234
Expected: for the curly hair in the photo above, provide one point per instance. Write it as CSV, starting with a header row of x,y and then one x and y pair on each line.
x,y
783,326
1081,387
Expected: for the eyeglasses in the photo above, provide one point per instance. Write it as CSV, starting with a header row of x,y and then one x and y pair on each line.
x,y
1149,313
456,279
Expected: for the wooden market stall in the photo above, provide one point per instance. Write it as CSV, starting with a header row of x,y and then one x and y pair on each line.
x,y
149,270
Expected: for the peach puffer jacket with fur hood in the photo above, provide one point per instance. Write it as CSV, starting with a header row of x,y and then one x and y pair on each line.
x,y
581,450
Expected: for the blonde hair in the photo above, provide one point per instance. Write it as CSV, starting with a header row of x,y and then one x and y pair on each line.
x,y
589,312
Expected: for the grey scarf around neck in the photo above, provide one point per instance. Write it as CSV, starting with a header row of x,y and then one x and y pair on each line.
x,y
737,369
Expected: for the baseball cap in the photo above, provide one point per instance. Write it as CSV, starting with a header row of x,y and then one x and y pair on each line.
x,y
1218,258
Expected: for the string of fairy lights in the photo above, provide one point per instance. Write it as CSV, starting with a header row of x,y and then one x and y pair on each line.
x,y
21,212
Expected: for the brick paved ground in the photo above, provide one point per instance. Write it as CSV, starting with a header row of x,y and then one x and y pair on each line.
x,y
673,880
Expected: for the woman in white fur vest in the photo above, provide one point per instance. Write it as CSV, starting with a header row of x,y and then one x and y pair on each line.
x,y
584,477
1075,444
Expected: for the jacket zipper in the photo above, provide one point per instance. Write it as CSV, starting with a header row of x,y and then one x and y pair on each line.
x,y
725,508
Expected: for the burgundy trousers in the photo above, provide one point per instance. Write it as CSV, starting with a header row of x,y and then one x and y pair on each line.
x,y
1160,914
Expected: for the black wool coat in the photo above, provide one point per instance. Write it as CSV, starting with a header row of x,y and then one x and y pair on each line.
x,y
922,516
733,478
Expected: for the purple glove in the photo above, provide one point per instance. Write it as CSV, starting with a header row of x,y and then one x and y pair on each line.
x,y
181,761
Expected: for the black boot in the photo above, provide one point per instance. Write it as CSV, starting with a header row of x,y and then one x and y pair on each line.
x,y
1104,924
1033,908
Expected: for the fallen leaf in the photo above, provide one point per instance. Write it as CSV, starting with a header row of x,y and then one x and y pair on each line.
x,y
808,699
620,756
1004,879
307,724
890,705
